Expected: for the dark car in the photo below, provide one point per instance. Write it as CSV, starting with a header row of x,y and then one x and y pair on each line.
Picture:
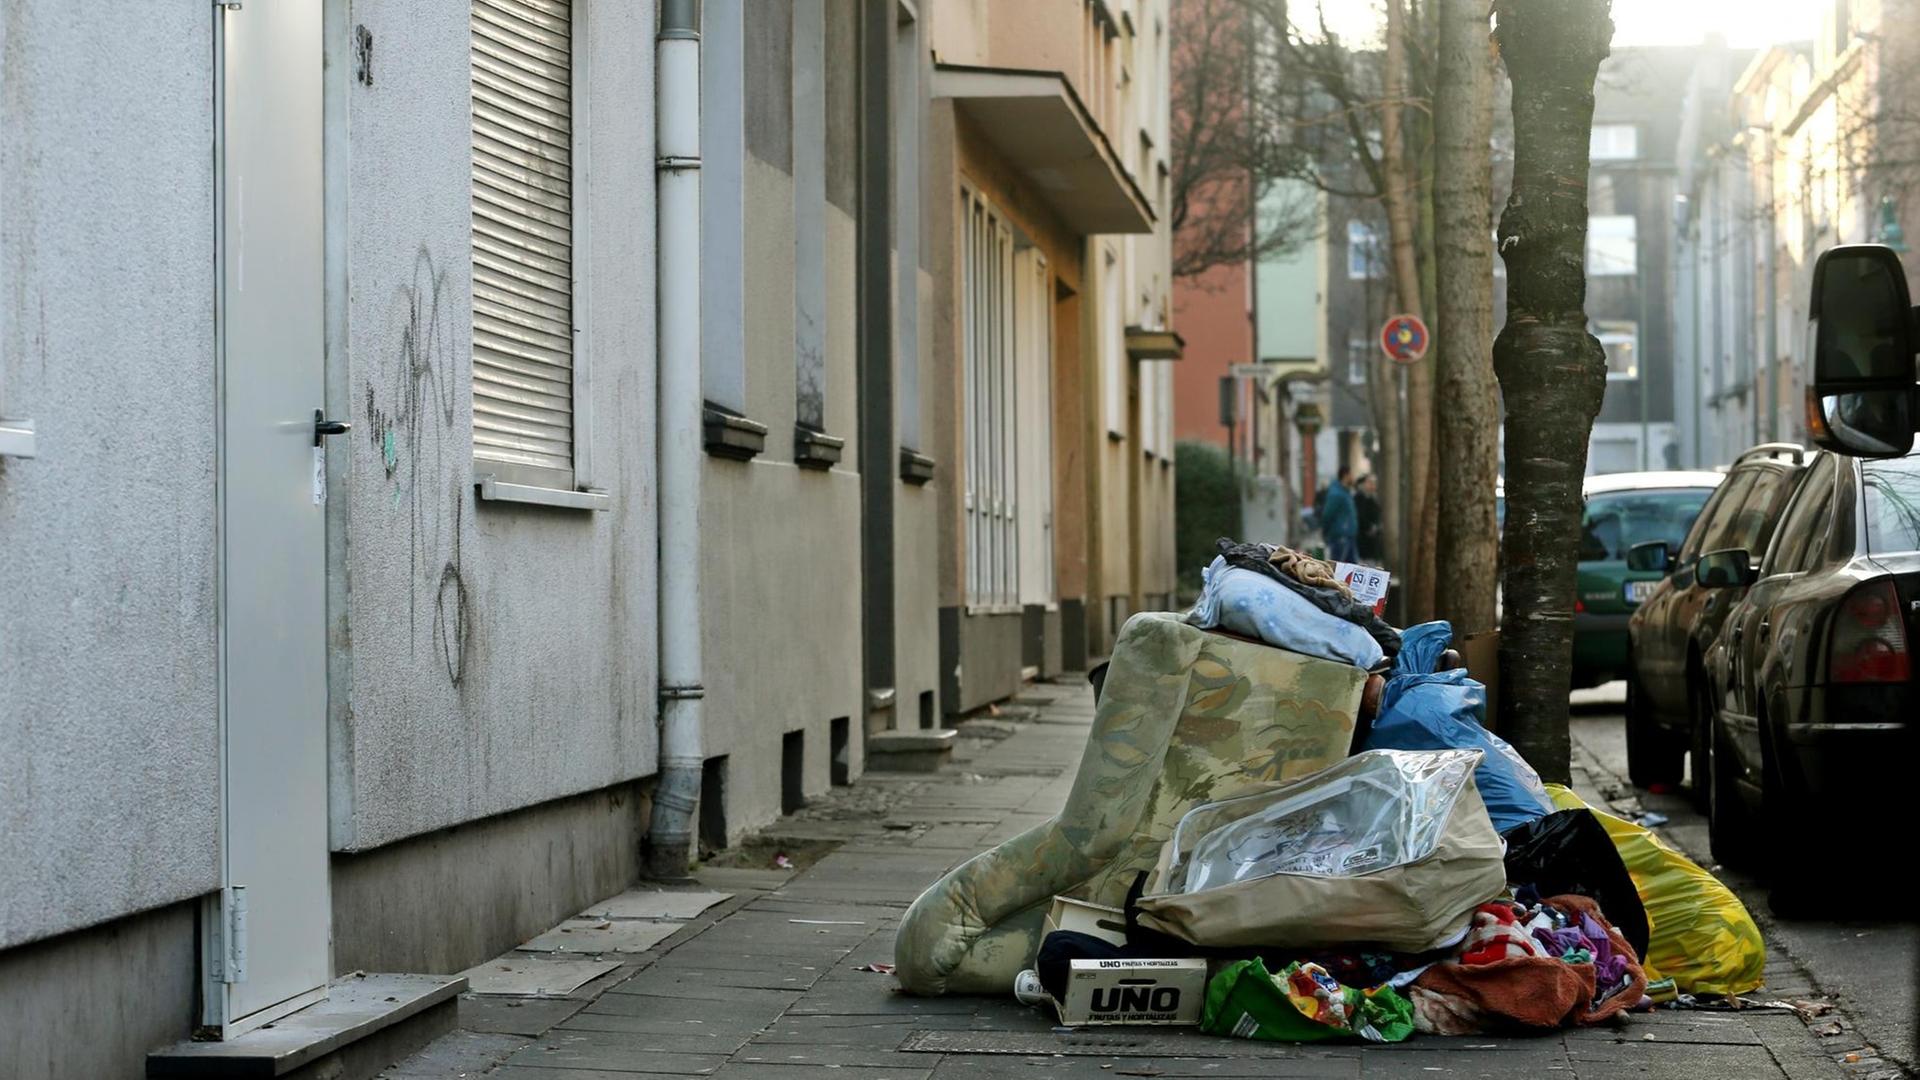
x,y
1622,510
1812,676
1669,634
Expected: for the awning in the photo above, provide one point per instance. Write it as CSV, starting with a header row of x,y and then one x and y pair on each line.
x,y
1036,121
1145,344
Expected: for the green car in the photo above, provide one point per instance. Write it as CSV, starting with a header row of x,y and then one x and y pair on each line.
x,y
1624,509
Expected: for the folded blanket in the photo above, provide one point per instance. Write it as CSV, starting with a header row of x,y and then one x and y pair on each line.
x,y
1529,987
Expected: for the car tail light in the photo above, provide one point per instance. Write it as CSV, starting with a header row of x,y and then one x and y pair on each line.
x,y
1869,637
1578,607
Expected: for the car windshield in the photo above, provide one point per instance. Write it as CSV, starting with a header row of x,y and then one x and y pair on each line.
x,y
1892,498
1617,520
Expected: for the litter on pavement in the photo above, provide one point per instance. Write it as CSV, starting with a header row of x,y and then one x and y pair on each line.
x,y
1292,824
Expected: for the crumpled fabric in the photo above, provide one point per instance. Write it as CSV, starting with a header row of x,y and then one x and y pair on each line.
x,y
1284,566
1534,992
1256,606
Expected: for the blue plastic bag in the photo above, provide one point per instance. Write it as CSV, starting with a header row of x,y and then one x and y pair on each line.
x,y
1424,709
1255,606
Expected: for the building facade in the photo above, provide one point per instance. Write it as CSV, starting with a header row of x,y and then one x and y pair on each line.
x,y
1806,146
345,549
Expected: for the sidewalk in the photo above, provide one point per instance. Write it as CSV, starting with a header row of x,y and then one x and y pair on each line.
x,y
769,985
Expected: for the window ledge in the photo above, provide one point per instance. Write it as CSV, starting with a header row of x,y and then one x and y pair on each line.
x,y
16,438
916,468
816,449
732,436
495,490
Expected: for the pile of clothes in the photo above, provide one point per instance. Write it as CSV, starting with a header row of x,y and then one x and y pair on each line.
x,y
1429,883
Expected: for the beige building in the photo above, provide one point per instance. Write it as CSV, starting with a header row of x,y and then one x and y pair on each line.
x,y
1048,253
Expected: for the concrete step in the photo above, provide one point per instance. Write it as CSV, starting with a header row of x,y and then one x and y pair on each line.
x,y
367,1023
918,750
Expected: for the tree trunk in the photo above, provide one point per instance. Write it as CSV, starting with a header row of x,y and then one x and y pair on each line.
x,y
1467,544
1552,372
1397,192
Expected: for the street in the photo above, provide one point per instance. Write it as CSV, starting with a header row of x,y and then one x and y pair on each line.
x,y
1866,966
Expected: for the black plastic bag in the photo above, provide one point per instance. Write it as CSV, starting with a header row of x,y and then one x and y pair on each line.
x,y
1569,851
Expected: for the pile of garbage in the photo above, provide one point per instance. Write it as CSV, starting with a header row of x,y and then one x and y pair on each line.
x,y
1427,883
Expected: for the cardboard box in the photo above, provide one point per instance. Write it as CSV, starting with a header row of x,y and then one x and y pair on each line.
x,y
1109,924
1154,992
1482,655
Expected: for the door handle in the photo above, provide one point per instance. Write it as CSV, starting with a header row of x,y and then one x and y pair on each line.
x,y
323,427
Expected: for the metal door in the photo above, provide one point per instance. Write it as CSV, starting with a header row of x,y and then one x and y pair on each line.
x,y
270,941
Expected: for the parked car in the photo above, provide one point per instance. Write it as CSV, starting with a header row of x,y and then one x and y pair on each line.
x,y
1812,676
1622,510
1669,634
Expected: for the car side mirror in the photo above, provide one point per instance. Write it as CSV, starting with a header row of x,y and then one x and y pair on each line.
x,y
1860,400
1728,569
1652,556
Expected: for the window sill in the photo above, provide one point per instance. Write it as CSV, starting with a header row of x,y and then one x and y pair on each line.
x,y
996,609
816,450
495,490
916,468
734,437
16,438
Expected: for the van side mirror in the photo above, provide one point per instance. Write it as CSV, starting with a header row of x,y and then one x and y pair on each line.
x,y
1860,400
1728,569
1652,556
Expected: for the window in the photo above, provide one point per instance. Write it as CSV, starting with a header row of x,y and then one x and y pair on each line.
x,y
1360,353
1612,246
1365,256
1760,511
1616,521
1719,530
1718,509
522,231
1806,520
1621,340
1033,387
1891,492
987,285
1614,142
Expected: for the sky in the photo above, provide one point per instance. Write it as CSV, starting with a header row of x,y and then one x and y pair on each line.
x,y
1745,23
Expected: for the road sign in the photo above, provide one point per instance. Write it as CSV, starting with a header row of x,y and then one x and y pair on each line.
x,y
1404,339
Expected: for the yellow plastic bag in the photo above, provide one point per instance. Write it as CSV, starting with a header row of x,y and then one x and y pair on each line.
x,y
1703,939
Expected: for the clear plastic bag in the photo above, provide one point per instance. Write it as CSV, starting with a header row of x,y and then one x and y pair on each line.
x,y
1373,811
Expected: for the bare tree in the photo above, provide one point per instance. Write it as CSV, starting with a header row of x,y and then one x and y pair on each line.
x,y
1551,370
1227,155
1468,401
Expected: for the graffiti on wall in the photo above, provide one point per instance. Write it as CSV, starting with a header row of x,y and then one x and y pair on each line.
x,y
412,417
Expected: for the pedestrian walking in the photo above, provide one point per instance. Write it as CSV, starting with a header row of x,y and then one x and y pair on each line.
x,y
1338,520
1366,513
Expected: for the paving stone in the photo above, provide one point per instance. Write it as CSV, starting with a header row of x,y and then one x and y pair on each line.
x,y
454,1055
831,1057
766,1071
739,1033
784,977
1671,1061
617,1051
763,958
515,1016
525,1072
596,937
744,1009
1009,1067
1675,1027
654,984
534,976
655,904
656,1042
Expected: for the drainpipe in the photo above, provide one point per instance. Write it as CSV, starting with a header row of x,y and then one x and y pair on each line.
x,y
677,252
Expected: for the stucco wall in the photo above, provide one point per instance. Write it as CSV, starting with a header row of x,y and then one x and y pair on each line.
x,y
495,656
782,575
108,726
